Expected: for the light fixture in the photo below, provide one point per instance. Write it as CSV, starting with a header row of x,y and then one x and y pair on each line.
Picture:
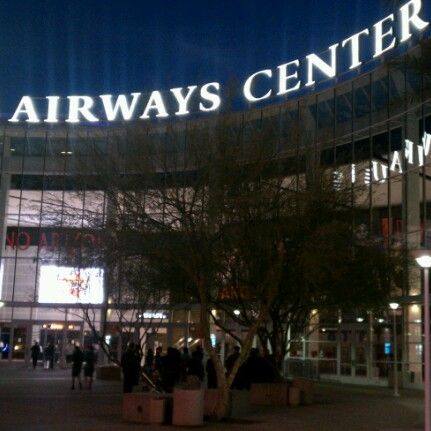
x,y
236,312
359,319
424,261
380,320
394,306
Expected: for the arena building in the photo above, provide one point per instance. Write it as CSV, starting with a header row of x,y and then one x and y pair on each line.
x,y
373,123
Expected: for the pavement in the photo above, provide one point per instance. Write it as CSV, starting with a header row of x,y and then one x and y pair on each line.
x,y
39,400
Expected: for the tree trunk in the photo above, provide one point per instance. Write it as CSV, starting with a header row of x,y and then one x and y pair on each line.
x,y
221,410
222,407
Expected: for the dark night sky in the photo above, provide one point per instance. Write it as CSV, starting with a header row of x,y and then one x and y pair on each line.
x,y
119,46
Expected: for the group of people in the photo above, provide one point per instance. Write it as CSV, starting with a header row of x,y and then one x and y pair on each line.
x,y
256,369
88,359
80,359
175,366
48,354
163,370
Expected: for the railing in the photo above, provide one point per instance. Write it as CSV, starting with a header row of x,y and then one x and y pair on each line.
x,y
314,368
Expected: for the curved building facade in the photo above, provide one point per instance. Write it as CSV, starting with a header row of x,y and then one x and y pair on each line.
x,y
374,129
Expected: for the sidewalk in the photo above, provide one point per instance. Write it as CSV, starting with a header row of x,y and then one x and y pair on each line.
x,y
39,400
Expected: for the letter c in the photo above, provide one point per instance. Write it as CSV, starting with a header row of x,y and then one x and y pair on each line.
x,y
247,86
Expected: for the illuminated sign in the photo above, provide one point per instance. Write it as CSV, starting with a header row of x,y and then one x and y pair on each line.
x,y
379,172
153,315
67,285
388,348
288,78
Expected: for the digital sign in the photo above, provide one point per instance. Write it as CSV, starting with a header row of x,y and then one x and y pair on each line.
x,y
68,285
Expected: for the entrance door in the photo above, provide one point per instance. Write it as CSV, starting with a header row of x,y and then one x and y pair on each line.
x,y
354,352
63,339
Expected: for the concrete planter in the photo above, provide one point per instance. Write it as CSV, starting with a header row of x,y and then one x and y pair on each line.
x,y
188,409
143,408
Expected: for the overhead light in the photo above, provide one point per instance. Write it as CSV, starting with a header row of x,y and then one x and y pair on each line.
x,y
359,319
380,320
394,305
236,312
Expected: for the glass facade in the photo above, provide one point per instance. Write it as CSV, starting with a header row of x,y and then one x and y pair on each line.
x,y
362,122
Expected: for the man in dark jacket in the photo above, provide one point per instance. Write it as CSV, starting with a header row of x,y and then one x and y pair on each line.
x,y
35,350
77,360
129,365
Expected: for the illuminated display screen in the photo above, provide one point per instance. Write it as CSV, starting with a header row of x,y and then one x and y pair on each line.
x,y
67,285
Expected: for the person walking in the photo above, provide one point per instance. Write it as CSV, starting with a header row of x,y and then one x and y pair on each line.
x,y
77,360
35,351
90,362
49,355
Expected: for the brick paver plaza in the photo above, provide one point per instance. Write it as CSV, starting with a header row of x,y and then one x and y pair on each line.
x,y
42,400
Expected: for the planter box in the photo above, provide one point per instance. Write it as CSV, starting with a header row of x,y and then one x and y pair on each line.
x,y
188,409
265,394
108,372
143,408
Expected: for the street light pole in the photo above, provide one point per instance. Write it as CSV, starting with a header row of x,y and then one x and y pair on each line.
x,y
424,261
394,306
427,349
